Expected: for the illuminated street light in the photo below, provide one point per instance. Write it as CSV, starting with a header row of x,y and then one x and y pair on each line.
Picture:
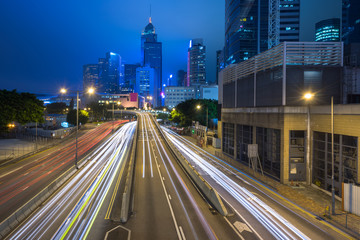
x,y
198,106
308,96
90,91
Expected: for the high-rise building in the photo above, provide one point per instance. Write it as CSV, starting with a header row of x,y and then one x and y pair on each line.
x,y
196,73
181,78
289,20
90,76
130,76
328,30
219,64
145,76
109,73
247,27
151,52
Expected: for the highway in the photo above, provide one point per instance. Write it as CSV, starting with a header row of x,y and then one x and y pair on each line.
x,y
266,214
71,212
22,180
166,204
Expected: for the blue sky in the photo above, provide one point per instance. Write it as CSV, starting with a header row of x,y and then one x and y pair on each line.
x,y
44,43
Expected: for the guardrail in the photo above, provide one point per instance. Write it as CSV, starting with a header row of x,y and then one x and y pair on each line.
x,y
211,194
125,204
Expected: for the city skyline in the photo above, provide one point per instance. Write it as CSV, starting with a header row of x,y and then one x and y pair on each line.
x,y
42,50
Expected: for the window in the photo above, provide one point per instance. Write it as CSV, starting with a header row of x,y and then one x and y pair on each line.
x,y
228,138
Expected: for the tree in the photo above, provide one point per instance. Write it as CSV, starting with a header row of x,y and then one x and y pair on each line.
x,y
57,108
97,110
20,107
83,117
186,112
163,116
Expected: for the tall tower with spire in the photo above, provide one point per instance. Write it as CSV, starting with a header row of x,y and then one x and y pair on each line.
x,y
151,56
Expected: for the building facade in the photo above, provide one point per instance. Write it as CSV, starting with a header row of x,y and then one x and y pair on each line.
x,y
328,30
144,77
176,95
130,76
289,21
263,104
90,76
109,73
196,71
181,77
249,28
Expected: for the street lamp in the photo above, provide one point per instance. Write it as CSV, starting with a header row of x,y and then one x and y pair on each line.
x,y
308,96
90,91
332,158
207,113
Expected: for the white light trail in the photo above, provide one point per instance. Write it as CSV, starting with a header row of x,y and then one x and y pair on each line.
x,y
278,226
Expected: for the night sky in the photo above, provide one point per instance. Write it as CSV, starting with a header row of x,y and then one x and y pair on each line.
x,y
44,43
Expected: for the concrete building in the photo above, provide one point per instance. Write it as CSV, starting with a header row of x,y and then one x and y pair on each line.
x,y
176,95
262,103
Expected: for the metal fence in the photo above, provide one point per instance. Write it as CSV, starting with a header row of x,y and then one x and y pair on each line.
x,y
28,145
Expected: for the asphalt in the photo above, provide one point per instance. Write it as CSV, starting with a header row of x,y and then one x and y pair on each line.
x,y
309,198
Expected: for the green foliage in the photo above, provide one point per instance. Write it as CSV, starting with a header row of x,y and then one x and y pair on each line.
x,y
83,117
20,107
56,108
186,112
162,116
97,111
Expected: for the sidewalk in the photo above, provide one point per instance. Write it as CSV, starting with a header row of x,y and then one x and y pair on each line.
x,y
307,197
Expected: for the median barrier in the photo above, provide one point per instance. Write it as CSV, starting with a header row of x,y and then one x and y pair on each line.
x,y
211,194
125,203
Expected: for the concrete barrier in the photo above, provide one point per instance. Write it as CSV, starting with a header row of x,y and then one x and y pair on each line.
x,y
125,203
211,194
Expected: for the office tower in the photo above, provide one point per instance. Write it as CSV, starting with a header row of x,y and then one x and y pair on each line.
x,y
219,64
109,73
289,21
151,52
181,78
249,26
328,30
90,76
130,76
196,73
145,76
246,29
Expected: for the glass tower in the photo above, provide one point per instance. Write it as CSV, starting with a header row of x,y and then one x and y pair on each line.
x,y
328,30
109,73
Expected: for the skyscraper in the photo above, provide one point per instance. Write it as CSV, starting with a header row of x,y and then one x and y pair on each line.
x,y
109,73
328,30
90,76
350,21
144,77
181,78
151,53
247,26
289,20
130,76
196,73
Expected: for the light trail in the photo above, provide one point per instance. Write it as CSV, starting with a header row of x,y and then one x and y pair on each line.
x,y
278,226
91,184
204,223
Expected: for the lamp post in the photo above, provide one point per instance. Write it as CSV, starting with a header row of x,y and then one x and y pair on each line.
x,y
308,97
207,113
332,158
90,91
